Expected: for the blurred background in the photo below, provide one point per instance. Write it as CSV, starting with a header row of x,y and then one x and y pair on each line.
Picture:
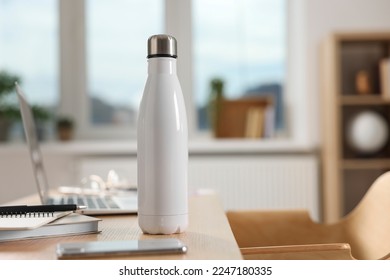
x,y
253,74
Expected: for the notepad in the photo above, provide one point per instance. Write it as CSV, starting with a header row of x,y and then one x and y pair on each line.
x,y
68,224
29,220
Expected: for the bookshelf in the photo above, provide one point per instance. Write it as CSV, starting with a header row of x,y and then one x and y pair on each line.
x,y
352,84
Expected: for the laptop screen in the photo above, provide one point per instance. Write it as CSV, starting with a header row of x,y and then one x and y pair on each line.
x,y
33,144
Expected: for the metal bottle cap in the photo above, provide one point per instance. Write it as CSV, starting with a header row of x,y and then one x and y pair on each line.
x,y
162,45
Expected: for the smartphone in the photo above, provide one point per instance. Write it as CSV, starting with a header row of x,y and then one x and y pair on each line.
x,y
120,248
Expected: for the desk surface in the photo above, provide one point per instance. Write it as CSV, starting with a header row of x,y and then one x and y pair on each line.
x,y
208,237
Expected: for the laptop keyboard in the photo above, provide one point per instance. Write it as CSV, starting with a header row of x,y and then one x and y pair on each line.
x,y
92,202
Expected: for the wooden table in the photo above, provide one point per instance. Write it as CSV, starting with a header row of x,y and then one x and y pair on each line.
x,y
208,237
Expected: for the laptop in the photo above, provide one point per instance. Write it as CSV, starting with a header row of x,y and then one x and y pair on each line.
x,y
97,204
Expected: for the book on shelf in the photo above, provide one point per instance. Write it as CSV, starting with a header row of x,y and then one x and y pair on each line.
x,y
260,122
269,121
384,70
254,126
14,227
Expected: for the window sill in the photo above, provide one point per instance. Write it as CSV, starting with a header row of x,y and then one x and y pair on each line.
x,y
196,147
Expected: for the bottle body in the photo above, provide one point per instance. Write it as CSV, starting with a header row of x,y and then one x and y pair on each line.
x,y
162,151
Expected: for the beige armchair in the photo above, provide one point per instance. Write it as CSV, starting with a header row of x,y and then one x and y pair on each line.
x,y
363,234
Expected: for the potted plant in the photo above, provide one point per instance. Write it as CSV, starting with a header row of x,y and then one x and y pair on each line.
x,y
65,128
9,108
215,101
8,112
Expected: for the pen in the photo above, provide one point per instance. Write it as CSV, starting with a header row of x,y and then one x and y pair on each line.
x,y
24,209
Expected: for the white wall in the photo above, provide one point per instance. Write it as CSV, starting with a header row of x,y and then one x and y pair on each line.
x,y
323,18
16,173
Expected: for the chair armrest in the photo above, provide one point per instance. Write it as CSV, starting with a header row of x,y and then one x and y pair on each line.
x,y
332,251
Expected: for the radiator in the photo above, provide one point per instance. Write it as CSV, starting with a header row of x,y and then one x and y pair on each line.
x,y
261,182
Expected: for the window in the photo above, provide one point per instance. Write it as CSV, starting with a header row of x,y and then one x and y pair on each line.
x,y
29,48
116,57
241,42
103,77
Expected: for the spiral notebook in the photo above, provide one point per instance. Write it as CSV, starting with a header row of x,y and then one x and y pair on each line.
x,y
26,226
28,220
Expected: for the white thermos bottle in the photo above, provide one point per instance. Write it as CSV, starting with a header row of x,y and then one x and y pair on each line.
x,y
162,144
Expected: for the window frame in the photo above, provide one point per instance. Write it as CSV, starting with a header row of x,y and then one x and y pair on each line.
x,y
73,70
